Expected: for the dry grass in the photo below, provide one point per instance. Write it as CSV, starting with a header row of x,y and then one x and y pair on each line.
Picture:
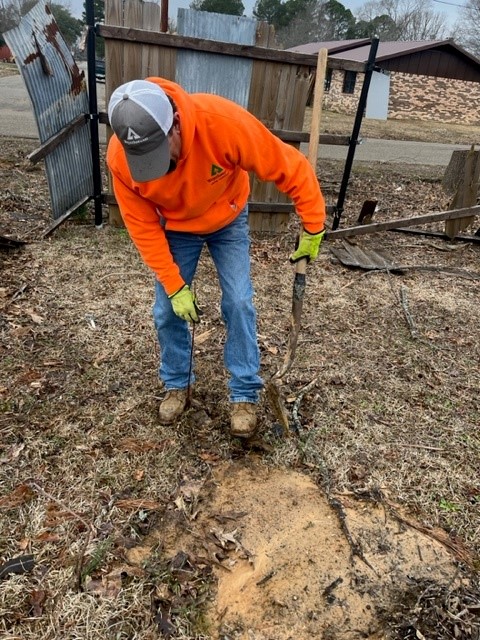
x,y
8,69
87,473
416,130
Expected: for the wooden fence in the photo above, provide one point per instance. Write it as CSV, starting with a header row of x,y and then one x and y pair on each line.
x,y
280,84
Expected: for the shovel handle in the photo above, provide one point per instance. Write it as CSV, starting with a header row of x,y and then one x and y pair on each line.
x,y
301,266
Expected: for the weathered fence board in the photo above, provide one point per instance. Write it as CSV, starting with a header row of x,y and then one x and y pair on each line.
x,y
462,178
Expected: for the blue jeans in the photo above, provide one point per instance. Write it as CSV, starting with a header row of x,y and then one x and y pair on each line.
x,y
229,248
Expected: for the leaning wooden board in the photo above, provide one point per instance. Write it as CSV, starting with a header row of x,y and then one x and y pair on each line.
x,y
365,229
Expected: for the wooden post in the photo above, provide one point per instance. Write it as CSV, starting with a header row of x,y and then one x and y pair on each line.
x,y
462,178
317,108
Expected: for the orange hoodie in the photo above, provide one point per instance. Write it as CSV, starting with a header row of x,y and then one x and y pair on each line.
x,y
221,143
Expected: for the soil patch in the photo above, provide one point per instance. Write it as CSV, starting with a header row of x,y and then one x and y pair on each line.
x,y
292,562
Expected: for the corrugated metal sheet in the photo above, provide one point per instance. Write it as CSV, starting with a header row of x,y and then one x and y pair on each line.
x,y
437,58
58,93
226,76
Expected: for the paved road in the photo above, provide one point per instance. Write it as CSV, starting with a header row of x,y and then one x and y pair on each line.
x,y
16,111
17,119
373,150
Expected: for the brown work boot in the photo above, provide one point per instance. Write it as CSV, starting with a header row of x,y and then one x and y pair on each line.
x,y
243,419
172,406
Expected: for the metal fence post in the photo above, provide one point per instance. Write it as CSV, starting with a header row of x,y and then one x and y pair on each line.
x,y
356,129
93,113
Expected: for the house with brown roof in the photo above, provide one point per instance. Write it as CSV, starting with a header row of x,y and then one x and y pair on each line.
x,y
427,80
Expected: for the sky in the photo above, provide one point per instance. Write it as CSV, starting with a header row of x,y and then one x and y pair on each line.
x,y
448,7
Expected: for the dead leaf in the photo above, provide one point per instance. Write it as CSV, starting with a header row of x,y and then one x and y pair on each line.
x,y
108,588
191,490
20,495
13,453
47,536
165,627
37,600
34,316
209,457
203,337
110,585
139,474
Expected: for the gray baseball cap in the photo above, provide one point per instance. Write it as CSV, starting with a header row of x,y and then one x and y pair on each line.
x,y
141,115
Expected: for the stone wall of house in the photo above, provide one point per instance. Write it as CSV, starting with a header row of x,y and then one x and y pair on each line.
x,y
335,100
414,98
438,99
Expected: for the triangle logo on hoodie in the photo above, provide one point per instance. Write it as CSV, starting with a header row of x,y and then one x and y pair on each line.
x,y
216,170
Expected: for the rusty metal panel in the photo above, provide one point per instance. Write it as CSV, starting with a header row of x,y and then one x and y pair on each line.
x,y
227,76
353,255
58,93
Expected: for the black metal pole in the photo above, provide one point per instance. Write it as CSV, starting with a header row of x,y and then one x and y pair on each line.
x,y
362,103
93,112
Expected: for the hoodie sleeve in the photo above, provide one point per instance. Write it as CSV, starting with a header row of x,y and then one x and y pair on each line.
x,y
143,225
253,147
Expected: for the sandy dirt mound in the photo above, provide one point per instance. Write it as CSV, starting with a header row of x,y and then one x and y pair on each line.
x,y
293,563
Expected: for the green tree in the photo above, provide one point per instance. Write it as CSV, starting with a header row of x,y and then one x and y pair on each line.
x,y
316,21
11,12
69,27
230,7
271,11
99,17
340,22
382,27
98,11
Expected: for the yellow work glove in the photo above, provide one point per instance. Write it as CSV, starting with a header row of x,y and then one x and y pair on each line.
x,y
184,304
308,246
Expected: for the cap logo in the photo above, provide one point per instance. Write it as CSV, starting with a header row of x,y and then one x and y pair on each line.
x,y
132,135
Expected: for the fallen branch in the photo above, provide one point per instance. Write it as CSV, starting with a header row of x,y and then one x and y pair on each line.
x,y
406,312
38,489
298,400
90,530
355,547
414,446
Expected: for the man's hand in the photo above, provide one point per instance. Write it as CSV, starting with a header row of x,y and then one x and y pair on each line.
x,y
184,304
308,246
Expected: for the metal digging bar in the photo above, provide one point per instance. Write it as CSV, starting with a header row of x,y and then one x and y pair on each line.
x,y
362,103
93,113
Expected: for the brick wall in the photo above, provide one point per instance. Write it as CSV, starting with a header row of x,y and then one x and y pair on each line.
x,y
336,100
414,98
439,99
